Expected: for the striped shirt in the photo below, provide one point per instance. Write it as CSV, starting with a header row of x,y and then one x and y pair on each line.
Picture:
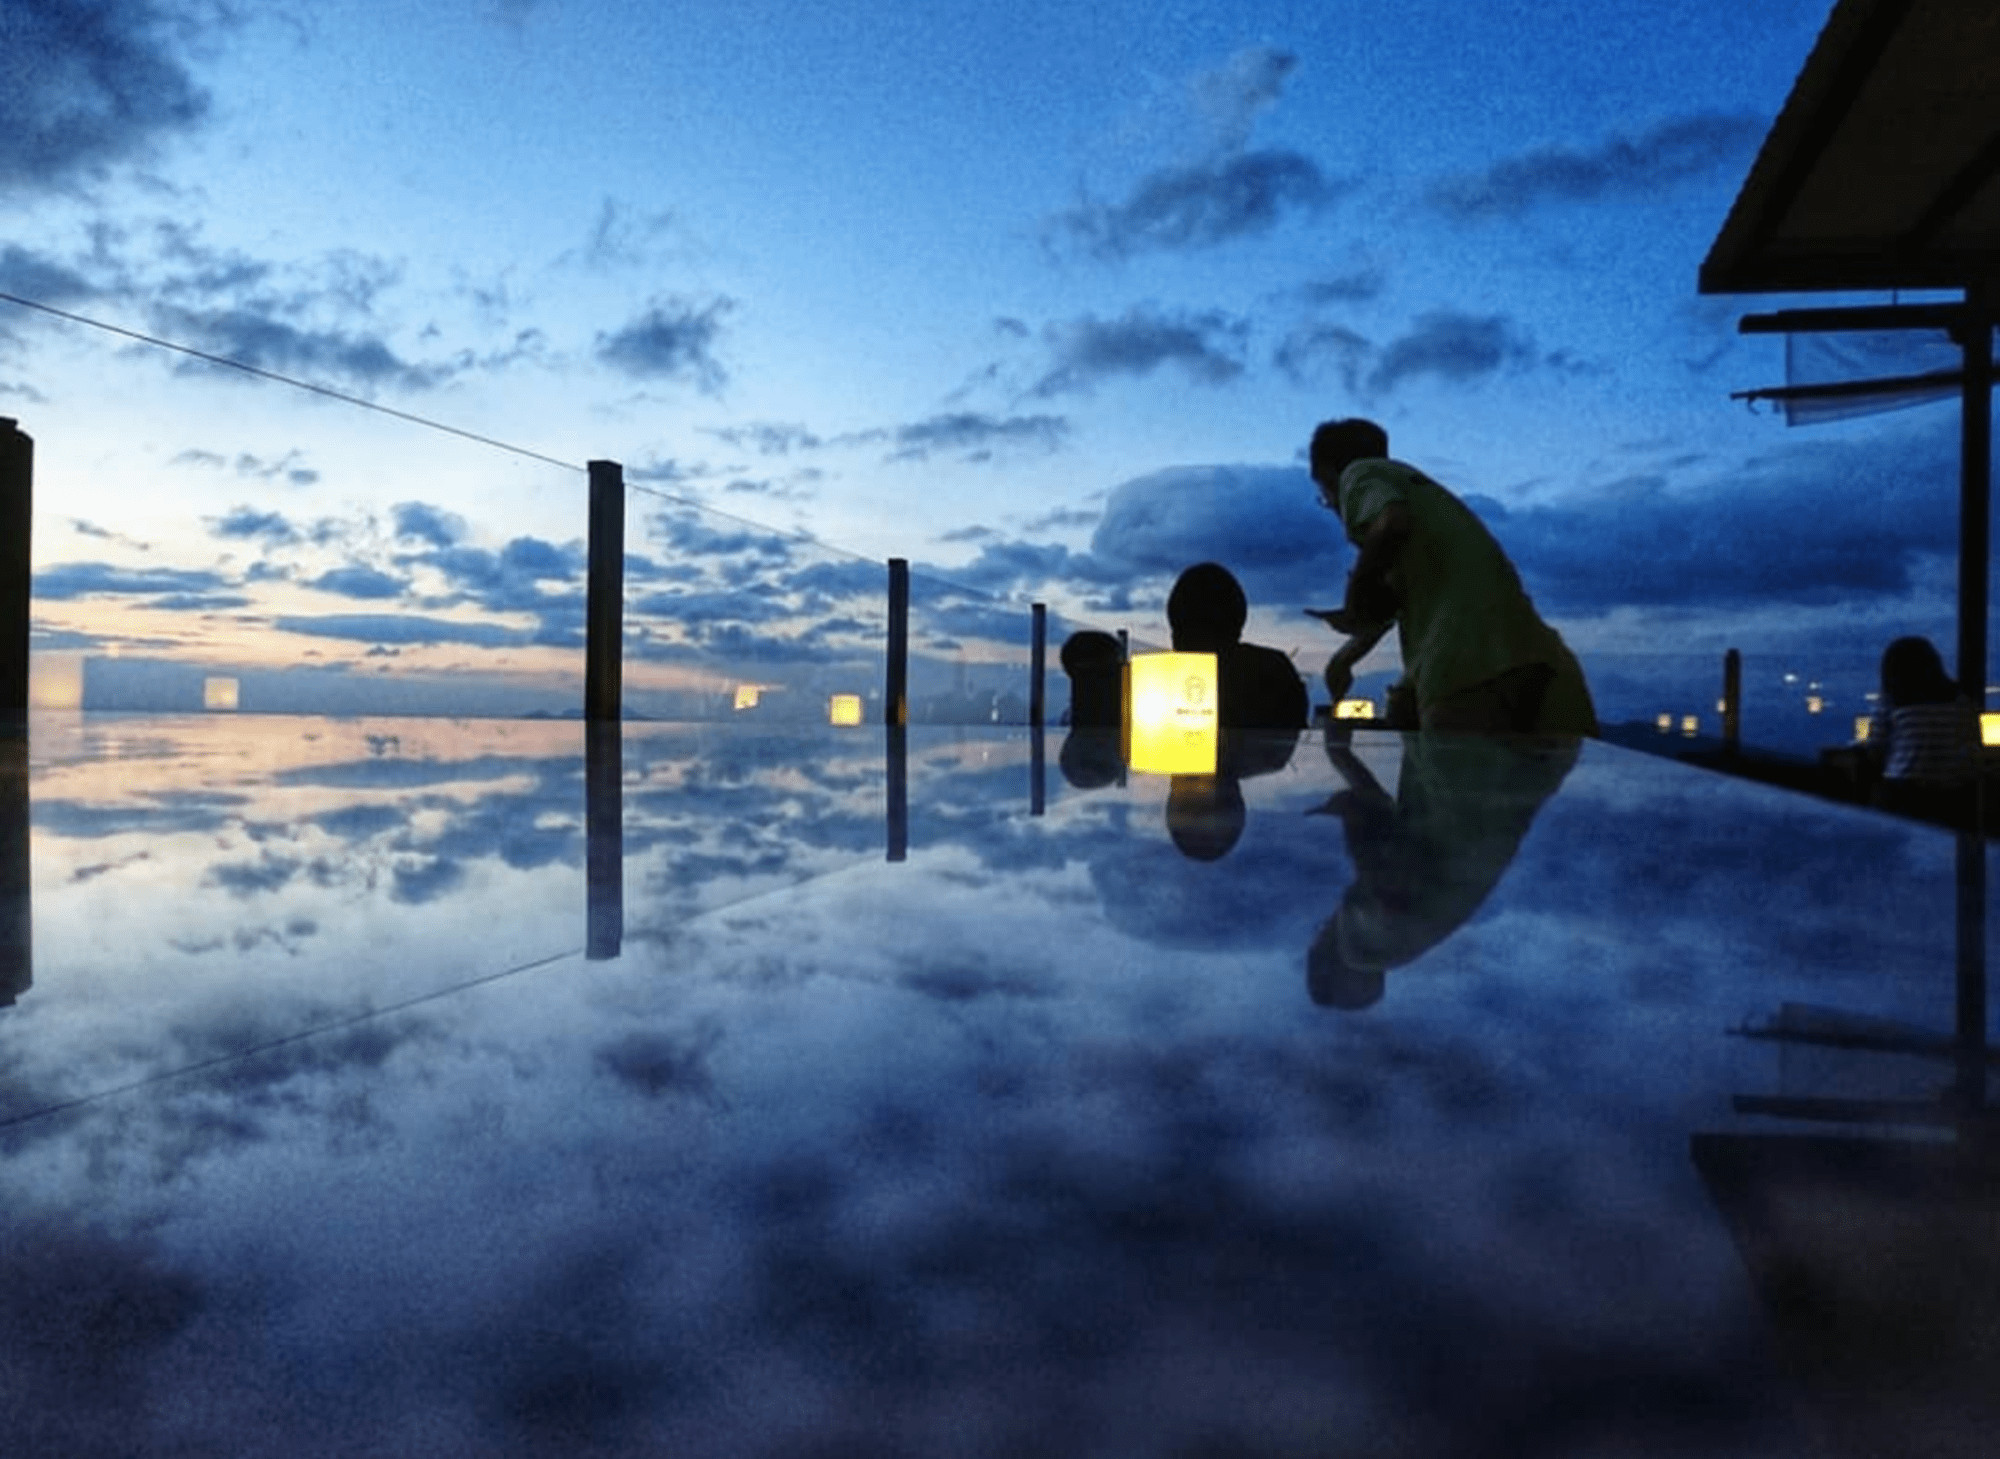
x,y
1936,743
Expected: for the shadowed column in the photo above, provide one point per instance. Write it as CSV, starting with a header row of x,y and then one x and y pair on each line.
x,y
17,919
17,497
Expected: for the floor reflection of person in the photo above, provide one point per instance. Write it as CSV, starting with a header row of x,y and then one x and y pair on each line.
x,y
1426,858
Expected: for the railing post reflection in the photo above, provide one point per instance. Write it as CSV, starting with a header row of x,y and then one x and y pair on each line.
x,y
1972,1001
896,775
17,510
1732,700
604,840
17,912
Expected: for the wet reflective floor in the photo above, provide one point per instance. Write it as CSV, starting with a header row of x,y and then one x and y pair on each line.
x,y
412,1087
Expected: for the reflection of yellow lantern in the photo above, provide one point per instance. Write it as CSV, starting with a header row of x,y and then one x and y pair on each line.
x,y
1989,729
55,681
219,694
746,696
1170,713
1863,723
1354,709
1814,703
1690,725
1665,723
844,709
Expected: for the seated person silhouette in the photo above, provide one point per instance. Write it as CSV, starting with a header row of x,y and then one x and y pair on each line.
x,y
1095,665
1257,686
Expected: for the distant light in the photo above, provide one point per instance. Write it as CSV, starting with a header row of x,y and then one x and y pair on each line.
x,y
1170,713
843,709
1814,704
1665,723
1722,706
219,694
1690,725
1863,723
1989,728
747,694
1791,678
1354,709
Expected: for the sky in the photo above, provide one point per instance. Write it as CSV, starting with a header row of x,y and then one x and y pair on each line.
x,y
1044,298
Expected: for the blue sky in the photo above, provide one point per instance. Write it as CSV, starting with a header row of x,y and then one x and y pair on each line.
x,y
1045,298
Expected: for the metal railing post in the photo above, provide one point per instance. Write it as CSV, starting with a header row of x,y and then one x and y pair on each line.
x,y
896,689
17,519
604,615
1038,663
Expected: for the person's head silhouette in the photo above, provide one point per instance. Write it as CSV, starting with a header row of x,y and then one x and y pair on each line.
x,y
1207,609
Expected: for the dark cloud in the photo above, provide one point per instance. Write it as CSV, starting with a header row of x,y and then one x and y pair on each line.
x,y
33,276
270,343
975,436
1620,166
1451,346
87,84
1355,288
767,439
273,529
1197,206
1208,346
427,523
675,339
401,628
1310,350
67,581
360,581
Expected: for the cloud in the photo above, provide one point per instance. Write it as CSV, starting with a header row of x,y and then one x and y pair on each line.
x,y
33,276
1451,346
1226,192
1620,166
85,85
1207,346
1200,205
67,581
974,436
269,343
359,581
767,439
402,628
427,523
674,339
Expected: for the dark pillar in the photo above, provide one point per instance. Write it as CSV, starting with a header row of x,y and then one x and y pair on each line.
x,y
896,694
604,615
604,840
17,913
1975,469
1732,700
1972,1053
1038,664
17,514
896,776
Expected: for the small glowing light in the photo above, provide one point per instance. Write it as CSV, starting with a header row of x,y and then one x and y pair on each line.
x,y
219,694
1791,678
1354,709
1665,723
1722,706
1170,713
1862,725
747,695
843,709
1814,704
1690,725
1989,729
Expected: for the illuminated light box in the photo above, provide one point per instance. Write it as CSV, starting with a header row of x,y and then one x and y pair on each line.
x,y
843,709
1170,714
1665,724
746,695
1354,709
1690,725
1814,703
1989,729
55,681
219,694
1863,723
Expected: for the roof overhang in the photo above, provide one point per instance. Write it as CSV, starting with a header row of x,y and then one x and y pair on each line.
x,y
1883,169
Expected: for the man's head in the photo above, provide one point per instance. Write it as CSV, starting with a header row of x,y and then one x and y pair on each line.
x,y
1336,444
1206,610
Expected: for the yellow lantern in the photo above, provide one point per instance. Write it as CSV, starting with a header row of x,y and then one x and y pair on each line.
x,y
747,696
1989,729
220,695
1354,709
843,709
1171,713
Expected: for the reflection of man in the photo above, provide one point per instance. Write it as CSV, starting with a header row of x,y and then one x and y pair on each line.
x,y
1477,655
1425,859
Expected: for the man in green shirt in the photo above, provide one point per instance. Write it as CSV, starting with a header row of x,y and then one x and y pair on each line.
x,y
1477,657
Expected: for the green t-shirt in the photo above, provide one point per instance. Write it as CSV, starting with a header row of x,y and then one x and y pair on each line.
x,y
1465,617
